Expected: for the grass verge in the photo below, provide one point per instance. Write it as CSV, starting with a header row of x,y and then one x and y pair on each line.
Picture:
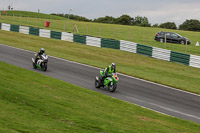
x,y
32,102
167,73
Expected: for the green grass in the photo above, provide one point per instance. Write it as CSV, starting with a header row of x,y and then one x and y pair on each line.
x,y
32,102
119,32
167,73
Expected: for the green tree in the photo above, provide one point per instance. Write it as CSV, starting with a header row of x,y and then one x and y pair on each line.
x,y
156,26
125,20
141,21
190,25
168,25
106,19
78,18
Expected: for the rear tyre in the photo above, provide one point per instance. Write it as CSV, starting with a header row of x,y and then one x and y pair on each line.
x,y
97,83
112,88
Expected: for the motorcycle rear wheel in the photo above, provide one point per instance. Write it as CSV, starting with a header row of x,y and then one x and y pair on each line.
x,y
97,83
34,66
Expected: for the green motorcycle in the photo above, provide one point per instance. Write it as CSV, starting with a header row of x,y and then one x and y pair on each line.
x,y
109,83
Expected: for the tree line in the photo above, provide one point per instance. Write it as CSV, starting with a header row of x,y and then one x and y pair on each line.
x,y
189,25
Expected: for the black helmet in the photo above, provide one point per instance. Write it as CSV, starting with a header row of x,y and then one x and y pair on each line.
x,y
42,50
113,65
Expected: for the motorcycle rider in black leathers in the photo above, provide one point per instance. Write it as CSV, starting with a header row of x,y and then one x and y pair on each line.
x,y
38,55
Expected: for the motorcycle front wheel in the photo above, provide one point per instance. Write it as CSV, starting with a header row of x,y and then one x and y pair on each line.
x,y
44,67
112,88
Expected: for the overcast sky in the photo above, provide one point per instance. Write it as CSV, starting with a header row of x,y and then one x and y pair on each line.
x,y
157,11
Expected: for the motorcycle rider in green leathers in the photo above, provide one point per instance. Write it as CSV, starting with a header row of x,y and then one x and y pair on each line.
x,y
108,71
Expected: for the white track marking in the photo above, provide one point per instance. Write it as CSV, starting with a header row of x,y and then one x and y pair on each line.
x,y
143,106
162,107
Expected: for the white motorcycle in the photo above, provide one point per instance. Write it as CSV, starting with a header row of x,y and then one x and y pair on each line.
x,y
41,63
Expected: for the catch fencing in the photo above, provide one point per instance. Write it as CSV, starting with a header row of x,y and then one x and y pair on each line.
x,y
154,52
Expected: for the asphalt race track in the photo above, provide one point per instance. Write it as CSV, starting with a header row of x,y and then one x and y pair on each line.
x,y
146,94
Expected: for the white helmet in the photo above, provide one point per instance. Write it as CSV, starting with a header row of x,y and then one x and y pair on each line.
x,y
42,50
113,65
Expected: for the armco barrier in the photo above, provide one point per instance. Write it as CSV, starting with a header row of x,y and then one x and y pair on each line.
x,y
160,53
5,27
194,61
128,46
110,43
80,39
180,58
67,37
93,41
145,50
44,33
24,29
14,28
34,31
56,35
